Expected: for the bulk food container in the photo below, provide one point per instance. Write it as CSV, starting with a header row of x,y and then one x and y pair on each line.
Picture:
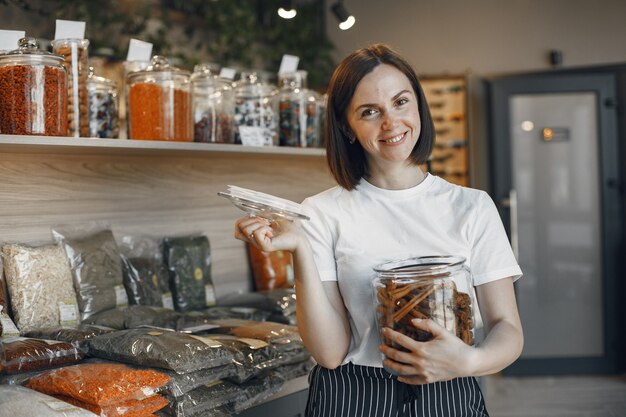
x,y
431,287
75,53
103,107
212,107
159,103
33,91
299,111
256,118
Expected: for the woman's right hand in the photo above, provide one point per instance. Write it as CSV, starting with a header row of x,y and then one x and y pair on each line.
x,y
267,235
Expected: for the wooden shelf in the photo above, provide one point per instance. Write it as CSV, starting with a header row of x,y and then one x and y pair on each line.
x,y
65,145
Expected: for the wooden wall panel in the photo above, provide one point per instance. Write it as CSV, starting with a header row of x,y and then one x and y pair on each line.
x,y
158,194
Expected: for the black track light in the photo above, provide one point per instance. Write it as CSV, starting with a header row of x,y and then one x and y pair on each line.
x,y
286,10
346,20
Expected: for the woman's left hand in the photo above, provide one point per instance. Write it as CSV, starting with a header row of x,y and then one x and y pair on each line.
x,y
442,358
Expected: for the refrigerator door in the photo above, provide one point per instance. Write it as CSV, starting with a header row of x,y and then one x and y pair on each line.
x,y
554,168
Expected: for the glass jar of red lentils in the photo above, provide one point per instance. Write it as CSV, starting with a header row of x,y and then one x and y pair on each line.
x,y
33,92
159,103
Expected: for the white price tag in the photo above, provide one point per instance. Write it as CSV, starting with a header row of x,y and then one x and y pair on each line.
x,y
121,298
289,63
168,300
139,50
207,341
252,135
68,313
69,29
228,73
209,294
9,39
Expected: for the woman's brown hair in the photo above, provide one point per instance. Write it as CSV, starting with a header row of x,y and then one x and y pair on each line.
x,y
347,160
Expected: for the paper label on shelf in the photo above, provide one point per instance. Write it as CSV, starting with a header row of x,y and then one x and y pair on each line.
x,y
289,63
121,299
139,50
252,135
68,313
9,39
228,73
168,300
69,29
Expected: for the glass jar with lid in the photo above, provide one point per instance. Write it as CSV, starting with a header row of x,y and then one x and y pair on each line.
x,y
159,103
212,106
76,55
255,116
299,111
33,91
429,287
103,107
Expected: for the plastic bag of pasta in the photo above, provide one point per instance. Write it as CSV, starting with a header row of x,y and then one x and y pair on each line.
x,y
145,275
39,281
188,259
178,352
17,401
96,267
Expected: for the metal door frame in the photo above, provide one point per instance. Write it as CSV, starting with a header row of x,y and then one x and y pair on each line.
x,y
604,85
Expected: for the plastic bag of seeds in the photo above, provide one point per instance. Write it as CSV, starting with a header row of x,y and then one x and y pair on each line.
x,y
178,352
100,384
258,389
22,354
183,383
145,275
96,267
39,281
77,336
17,401
136,316
188,259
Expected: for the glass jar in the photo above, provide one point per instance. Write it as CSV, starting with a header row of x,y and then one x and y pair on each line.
x,y
103,107
212,107
430,287
77,65
33,91
256,118
159,103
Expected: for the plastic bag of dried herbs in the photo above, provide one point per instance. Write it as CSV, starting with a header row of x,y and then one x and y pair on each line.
x,y
96,267
23,354
183,383
205,398
77,336
136,316
100,384
145,275
39,281
17,401
188,260
160,349
257,390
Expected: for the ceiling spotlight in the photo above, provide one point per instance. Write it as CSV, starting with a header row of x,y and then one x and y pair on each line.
x,y
346,20
286,10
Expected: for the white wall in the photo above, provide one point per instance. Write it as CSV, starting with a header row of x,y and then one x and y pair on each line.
x,y
487,36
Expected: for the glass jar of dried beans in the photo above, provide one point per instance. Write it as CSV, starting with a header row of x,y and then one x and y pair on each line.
x,y
159,103
431,287
103,107
76,58
212,107
33,92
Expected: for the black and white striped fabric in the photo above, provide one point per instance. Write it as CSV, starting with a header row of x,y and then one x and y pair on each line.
x,y
362,391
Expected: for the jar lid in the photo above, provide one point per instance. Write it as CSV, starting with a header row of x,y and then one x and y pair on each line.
x,y
160,69
28,52
204,76
296,79
419,266
263,205
96,80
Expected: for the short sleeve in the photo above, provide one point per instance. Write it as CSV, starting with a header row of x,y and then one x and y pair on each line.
x,y
491,255
321,238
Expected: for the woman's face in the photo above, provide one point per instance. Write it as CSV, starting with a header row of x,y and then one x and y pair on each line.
x,y
383,115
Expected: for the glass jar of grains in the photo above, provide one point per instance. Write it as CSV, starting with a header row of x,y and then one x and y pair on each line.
x,y
33,91
430,287
159,103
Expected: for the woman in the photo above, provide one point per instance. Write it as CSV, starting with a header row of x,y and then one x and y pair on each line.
x,y
385,207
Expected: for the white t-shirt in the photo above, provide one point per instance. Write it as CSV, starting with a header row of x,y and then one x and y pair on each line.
x,y
353,231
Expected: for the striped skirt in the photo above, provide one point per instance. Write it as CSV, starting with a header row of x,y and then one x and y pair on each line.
x,y
362,391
